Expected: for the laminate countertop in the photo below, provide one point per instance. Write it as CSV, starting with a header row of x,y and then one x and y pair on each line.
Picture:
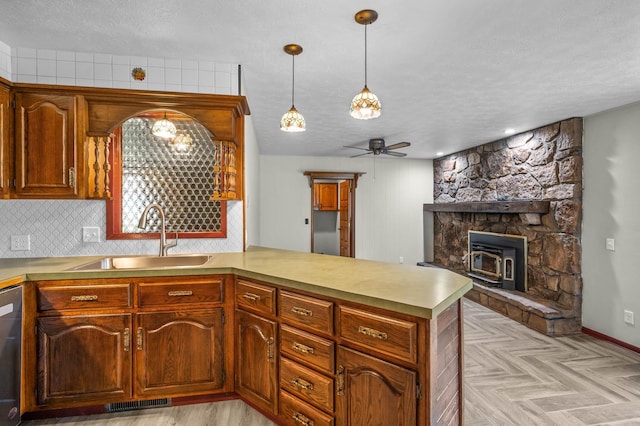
x,y
410,289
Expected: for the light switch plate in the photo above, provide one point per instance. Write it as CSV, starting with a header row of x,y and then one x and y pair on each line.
x,y
20,242
90,234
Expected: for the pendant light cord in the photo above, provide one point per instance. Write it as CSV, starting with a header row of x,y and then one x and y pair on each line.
x,y
365,55
293,78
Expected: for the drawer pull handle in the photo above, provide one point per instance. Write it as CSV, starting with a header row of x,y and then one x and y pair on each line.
x,y
85,298
301,418
179,293
127,339
270,349
251,297
139,338
302,348
340,380
372,332
302,311
302,384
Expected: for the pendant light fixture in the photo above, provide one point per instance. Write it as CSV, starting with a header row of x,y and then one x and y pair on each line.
x,y
365,105
292,120
164,128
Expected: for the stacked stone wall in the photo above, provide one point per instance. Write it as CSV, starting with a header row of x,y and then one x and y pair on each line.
x,y
541,164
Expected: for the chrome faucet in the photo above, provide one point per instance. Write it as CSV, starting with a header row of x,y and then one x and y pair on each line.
x,y
164,245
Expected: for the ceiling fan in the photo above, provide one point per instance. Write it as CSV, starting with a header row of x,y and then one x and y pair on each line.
x,y
377,147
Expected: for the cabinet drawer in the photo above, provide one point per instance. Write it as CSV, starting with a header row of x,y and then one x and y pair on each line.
x,y
306,384
297,413
307,348
394,337
90,296
255,297
180,292
306,312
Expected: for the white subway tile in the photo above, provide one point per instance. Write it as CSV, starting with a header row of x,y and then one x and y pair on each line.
x,y
173,76
121,73
155,75
189,88
121,84
27,66
84,70
206,66
46,67
223,90
137,84
138,61
26,78
66,81
155,62
103,71
45,79
220,67
189,77
206,89
101,58
156,86
205,78
120,60
84,57
189,64
65,69
85,82
172,63
46,54
63,55
223,79
26,52
103,83
172,87
234,84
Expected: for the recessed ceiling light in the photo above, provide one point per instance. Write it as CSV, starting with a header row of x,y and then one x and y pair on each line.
x,y
509,131
439,153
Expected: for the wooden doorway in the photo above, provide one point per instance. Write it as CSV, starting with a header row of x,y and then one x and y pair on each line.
x,y
343,209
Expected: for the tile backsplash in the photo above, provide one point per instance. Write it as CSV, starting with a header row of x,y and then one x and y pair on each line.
x,y
55,226
55,229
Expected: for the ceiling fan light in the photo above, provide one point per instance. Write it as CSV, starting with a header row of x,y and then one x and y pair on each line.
x,y
292,121
365,105
164,129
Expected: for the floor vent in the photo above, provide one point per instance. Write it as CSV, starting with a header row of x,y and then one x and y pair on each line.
x,y
137,405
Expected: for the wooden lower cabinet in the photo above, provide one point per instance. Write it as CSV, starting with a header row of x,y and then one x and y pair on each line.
x,y
84,358
371,392
256,366
179,352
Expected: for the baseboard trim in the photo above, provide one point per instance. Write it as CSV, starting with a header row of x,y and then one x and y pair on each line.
x,y
610,339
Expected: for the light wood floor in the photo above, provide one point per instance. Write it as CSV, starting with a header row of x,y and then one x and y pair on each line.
x,y
512,376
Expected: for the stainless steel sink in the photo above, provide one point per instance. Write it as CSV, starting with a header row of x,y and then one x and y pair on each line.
x,y
145,262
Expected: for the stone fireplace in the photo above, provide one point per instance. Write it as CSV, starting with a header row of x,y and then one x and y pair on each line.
x,y
527,185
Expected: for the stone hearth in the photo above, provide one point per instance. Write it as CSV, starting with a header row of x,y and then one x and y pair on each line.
x,y
543,164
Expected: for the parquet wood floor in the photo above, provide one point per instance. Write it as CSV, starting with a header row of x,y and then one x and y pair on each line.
x,y
512,376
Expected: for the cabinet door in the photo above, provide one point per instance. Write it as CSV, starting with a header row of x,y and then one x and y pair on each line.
x,y
373,392
5,161
45,146
256,378
326,196
179,352
84,359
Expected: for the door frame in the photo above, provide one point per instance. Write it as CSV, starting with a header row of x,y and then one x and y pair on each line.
x,y
338,176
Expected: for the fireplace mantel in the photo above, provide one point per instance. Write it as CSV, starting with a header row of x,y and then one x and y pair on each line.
x,y
516,207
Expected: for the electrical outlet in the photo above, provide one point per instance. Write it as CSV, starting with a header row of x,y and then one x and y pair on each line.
x,y
628,317
90,234
20,242
611,244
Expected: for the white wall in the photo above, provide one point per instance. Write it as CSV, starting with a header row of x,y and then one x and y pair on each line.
x,y
389,200
611,210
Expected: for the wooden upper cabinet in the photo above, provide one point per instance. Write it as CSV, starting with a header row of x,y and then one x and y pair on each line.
x,y
5,162
325,196
45,145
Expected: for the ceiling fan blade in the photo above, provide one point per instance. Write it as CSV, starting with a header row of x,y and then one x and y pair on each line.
x,y
398,145
356,147
360,155
396,154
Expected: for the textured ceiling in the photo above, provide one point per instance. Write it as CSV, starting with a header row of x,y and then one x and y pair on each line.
x,y
450,74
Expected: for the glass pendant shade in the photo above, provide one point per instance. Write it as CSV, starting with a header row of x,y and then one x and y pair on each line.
x,y
164,129
292,121
365,105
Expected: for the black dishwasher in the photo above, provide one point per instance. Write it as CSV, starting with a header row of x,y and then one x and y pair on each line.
x,y
10,354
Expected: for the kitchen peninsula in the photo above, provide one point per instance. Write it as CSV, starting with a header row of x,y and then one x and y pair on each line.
x,y
304,338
